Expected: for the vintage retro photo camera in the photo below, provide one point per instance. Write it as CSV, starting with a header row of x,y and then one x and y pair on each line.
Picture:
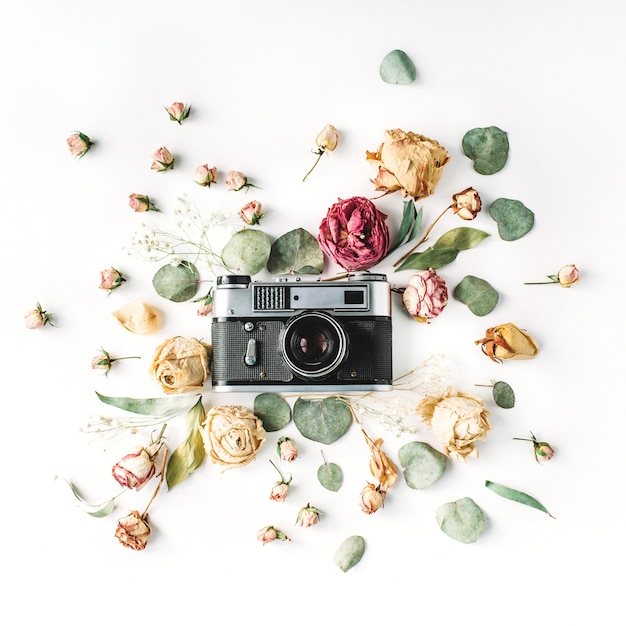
x,y
293,335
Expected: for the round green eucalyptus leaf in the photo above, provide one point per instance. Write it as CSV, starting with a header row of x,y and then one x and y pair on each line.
x,y
330,476
480,297
487,147
349,553
462,520
177,283
296,252
513,218
397,68
247,252
272,410
323,421
423,465
503,395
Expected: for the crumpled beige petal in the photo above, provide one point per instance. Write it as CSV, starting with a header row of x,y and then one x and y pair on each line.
x,y
138,317
381,466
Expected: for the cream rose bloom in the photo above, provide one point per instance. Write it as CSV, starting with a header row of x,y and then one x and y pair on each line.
x,y
181,364
232,435
458,420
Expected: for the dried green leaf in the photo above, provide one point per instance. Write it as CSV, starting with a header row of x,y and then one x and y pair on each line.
x,y
487,147
330,476
349,553
177,283
410,225
433,258
323,421
422,464
296,252
513,218
97,510
161,407
480,297
462,520
503,395
516,496
462,238
397,68
247,252
190,454
272,410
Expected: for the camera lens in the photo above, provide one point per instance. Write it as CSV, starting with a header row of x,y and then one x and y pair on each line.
x,y
314,344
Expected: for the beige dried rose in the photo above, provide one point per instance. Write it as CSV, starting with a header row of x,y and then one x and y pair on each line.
x,y
458,420
408,162
381,466
181,364
507,341
232,435
466,204
138,317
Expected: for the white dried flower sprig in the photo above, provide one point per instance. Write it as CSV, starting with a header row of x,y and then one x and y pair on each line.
x,y
109,427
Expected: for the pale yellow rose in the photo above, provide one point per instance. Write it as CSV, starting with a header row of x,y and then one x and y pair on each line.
x,y
458,420
232,435
507,341
138,318
181,364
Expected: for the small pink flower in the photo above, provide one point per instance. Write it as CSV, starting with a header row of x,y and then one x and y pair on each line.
x,y
252,213
568,276
133,531
542,450
307,516
287,449
135,469
268,534
37,318
236,181
162,160
103,362
178,111
205,176
207,304
79,144
372,498
279,491
140,203
111,279
326,141
425,296
466,204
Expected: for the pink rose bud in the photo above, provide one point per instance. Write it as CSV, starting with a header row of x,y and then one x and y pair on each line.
x,y
111,279
204,310
307,516
328,138
235,181
354,234
37,317
140,203
287,449
252,213
372,498
269,533
178,111
205,176
542,450
568,276
135,469
279,492
162,160
102,362
79,144
425,296
133,531
466,204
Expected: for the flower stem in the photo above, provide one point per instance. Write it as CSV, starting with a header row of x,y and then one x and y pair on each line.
x,y
319,156
158,488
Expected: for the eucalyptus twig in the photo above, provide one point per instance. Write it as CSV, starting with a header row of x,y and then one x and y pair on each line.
x,y
424,239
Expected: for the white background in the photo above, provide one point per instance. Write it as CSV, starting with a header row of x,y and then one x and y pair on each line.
x,y
263,78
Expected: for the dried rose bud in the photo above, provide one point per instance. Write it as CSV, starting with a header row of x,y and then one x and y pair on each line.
x,y
178,111
307,516
162,160
381,466
236,181
542,449
104,362
140,203
270,533
425,296
136,468
111,279
133,531
79,144
372,498
566,277
37,317
287,449
326,141
507,341
204,175
466,204
279,491
252,213
206,305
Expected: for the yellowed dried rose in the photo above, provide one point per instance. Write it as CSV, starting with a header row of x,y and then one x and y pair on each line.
x,y
381,466
408,162
181,364
232,435
458,420
466,204
507,341
138,318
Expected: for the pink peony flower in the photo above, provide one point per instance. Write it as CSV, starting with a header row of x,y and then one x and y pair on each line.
x,y
354,234
162,160
204,175
425,296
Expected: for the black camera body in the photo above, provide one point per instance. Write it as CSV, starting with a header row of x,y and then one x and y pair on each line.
x,y
293,335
